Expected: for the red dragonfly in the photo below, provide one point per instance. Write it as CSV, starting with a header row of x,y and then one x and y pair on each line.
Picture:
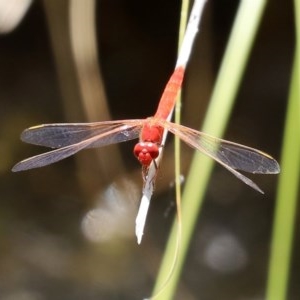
x,y
70,138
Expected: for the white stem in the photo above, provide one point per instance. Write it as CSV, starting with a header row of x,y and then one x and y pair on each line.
x,y
183,57
147,193
190,33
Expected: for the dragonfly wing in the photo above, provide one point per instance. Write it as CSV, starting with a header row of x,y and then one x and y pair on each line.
x,y
247,159
230,155
65,134
47,158
234,155
117,134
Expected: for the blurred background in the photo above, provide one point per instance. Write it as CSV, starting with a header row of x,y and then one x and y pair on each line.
x,y
67,230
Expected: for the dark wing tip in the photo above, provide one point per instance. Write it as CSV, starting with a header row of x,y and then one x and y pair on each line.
x,y
276,168
17,168
27,134
270,166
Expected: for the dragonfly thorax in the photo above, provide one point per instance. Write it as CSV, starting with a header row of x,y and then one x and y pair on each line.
x,y
151,132
145,152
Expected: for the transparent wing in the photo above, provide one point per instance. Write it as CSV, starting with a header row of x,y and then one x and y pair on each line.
x,y
230,155
78,137
65,134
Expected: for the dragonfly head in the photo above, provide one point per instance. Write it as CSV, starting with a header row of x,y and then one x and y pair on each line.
x,y
145,152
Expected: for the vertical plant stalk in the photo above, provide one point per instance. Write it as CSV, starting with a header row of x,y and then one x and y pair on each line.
x,y
183,21
83,40
182,59
287,196
233,65
71,26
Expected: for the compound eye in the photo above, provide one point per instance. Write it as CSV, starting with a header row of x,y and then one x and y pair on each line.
x,y
146,152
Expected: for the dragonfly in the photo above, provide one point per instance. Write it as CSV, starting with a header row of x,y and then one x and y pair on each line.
x,y
69,138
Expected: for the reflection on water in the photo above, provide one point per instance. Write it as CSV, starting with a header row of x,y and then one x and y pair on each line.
x,y
225,254
114,214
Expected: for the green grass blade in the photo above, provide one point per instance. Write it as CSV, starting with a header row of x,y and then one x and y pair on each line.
x,y
233,66
286,202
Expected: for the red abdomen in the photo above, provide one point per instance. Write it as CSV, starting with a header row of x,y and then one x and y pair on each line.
x,y
168,98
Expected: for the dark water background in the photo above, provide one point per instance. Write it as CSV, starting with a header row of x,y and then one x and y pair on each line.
x,y
50,249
